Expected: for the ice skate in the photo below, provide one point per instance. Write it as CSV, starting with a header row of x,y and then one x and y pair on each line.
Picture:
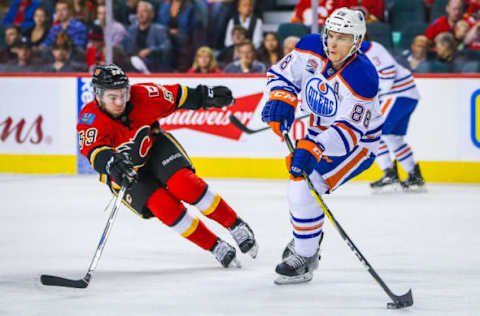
x,y
415,181
290,248
244,237
296,269
225,254
389,182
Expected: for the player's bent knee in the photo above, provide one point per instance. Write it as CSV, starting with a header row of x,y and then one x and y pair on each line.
x,y
185,185
165,207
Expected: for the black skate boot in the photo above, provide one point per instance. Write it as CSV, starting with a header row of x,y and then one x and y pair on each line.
x,y
290,248
414,182
225,254
244,237
296,269
389,180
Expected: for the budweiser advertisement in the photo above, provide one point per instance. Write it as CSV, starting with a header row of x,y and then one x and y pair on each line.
x,y
35,120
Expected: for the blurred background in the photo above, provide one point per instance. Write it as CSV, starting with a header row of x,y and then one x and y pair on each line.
x,y
224,36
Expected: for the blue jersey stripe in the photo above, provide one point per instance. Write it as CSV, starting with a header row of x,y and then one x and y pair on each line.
x,y
400,148
307,236
307,220
397,91
285,79
406,77
345,142
351,126
386,68
403,158
378,129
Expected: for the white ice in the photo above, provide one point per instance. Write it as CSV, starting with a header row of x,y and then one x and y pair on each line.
x,y
51,224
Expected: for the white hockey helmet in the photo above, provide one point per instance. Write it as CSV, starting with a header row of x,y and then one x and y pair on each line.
x,y
346,21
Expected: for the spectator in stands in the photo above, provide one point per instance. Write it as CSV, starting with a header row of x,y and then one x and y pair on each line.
x,y
245,17
178,16
374,10
147,42
219,11
26,61
446,23
271,51
75,29
247,63
460,30
446,47
21,13
96,51
118,31
472,38
84,11
230,53
417,54
61,55
12,35
38,32
289,44
205,62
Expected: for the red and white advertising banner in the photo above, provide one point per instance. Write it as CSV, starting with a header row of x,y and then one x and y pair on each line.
x,y
37,116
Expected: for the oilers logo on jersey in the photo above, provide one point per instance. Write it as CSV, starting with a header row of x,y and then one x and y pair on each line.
x,y
320,98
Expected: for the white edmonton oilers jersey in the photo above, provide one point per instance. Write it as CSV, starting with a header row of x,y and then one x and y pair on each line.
x,y
394,79
344,104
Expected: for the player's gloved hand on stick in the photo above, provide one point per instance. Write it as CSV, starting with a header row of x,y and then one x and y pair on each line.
x,y
120,167
306,155
218,96
280,108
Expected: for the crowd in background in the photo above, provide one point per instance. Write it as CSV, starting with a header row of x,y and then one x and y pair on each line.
x,y
200,36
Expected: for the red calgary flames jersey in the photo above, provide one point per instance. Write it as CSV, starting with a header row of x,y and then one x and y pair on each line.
x,y
132,133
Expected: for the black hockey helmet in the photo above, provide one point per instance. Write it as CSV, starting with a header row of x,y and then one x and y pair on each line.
x,y
108,77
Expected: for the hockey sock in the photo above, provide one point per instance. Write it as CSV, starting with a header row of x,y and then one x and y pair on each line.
x,y
383,157
187,186
306,217
174,214
401,150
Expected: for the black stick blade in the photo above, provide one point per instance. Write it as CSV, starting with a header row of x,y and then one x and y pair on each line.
x,y
403,301
52,280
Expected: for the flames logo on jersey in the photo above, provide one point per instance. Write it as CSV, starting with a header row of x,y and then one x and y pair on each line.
x,y
320,98
138,146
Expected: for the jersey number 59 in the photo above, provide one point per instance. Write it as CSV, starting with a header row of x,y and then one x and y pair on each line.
x,y
87,137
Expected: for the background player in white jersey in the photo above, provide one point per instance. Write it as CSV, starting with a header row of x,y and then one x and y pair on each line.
x,y
398,97
339,88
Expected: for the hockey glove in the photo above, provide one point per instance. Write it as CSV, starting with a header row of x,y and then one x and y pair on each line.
x,y
217,97
120,167
306,155
279,108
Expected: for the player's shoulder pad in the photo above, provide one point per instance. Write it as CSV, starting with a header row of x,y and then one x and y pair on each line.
x,y
362,77
366,45
312,43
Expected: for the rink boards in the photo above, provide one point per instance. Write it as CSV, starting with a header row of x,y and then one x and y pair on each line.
x,y
38,116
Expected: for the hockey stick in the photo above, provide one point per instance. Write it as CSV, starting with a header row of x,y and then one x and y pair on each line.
x,y
236,122
399,301
83,282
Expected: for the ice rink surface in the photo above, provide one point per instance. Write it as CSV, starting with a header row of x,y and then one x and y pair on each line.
x,y
51,224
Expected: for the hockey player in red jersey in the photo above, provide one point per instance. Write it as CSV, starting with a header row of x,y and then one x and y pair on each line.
x,y
120,135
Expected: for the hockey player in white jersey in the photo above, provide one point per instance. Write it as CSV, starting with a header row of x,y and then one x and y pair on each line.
x,y
398,97
338,86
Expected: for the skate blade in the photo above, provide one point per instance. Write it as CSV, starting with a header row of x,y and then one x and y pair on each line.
x,y
283,279
389,188
235,263
253,251
415,189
